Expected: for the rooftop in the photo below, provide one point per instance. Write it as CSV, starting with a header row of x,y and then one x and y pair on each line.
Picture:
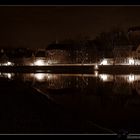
x,y
135,28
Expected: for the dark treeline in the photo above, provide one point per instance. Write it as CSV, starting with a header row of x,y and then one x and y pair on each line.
x,y
111,44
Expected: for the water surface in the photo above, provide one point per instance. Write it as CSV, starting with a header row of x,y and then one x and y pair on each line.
x,y
110,103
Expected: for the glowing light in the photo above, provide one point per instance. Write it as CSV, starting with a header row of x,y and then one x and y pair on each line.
x,y
104,77
131,78
7,64
104,62
40,76
39,63
131,61
137,62
96,73
9,75
10,64
42,63
49,76
28,63
49,61
31,64
44,77
96,67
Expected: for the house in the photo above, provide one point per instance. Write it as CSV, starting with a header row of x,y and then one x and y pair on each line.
x,y
122,53
134,35
40,58
3,59
29,57
136,52
61,53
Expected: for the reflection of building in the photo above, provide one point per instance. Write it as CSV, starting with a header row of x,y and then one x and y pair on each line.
x,y
56,81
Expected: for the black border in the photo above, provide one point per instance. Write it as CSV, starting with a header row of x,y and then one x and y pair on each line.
x,y
75,2
69,2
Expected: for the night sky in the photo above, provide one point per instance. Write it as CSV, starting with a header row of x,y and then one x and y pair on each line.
x,y
38,26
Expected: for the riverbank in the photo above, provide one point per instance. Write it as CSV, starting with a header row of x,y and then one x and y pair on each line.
x,y
47,69
80,69
119,69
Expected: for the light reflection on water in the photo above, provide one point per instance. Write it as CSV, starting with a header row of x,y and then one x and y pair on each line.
x,y
7,75
96,96
112,84
44,77
60,81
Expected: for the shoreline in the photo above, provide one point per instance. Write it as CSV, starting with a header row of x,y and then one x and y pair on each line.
x,y
107,69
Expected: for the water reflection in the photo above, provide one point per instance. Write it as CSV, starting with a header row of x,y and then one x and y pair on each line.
x,y
96,73
120,84
44,77
106,77
60,81
98,97
7,75
131,78
39,76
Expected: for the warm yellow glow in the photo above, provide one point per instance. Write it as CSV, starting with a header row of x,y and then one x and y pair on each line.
x,y
42,63
39,76
131,61
49,76
104,77
31,64
39,63
7,64
44,76
96,73
10,64
131,78
96,67
104,62
6,75
49,62
137,62
9,75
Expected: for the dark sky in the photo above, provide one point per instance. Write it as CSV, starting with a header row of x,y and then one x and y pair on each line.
x,y
38,26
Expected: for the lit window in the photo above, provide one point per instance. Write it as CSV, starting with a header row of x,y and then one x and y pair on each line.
x,y
131,61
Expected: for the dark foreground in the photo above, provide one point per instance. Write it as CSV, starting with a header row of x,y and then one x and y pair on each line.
x,y
24,110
